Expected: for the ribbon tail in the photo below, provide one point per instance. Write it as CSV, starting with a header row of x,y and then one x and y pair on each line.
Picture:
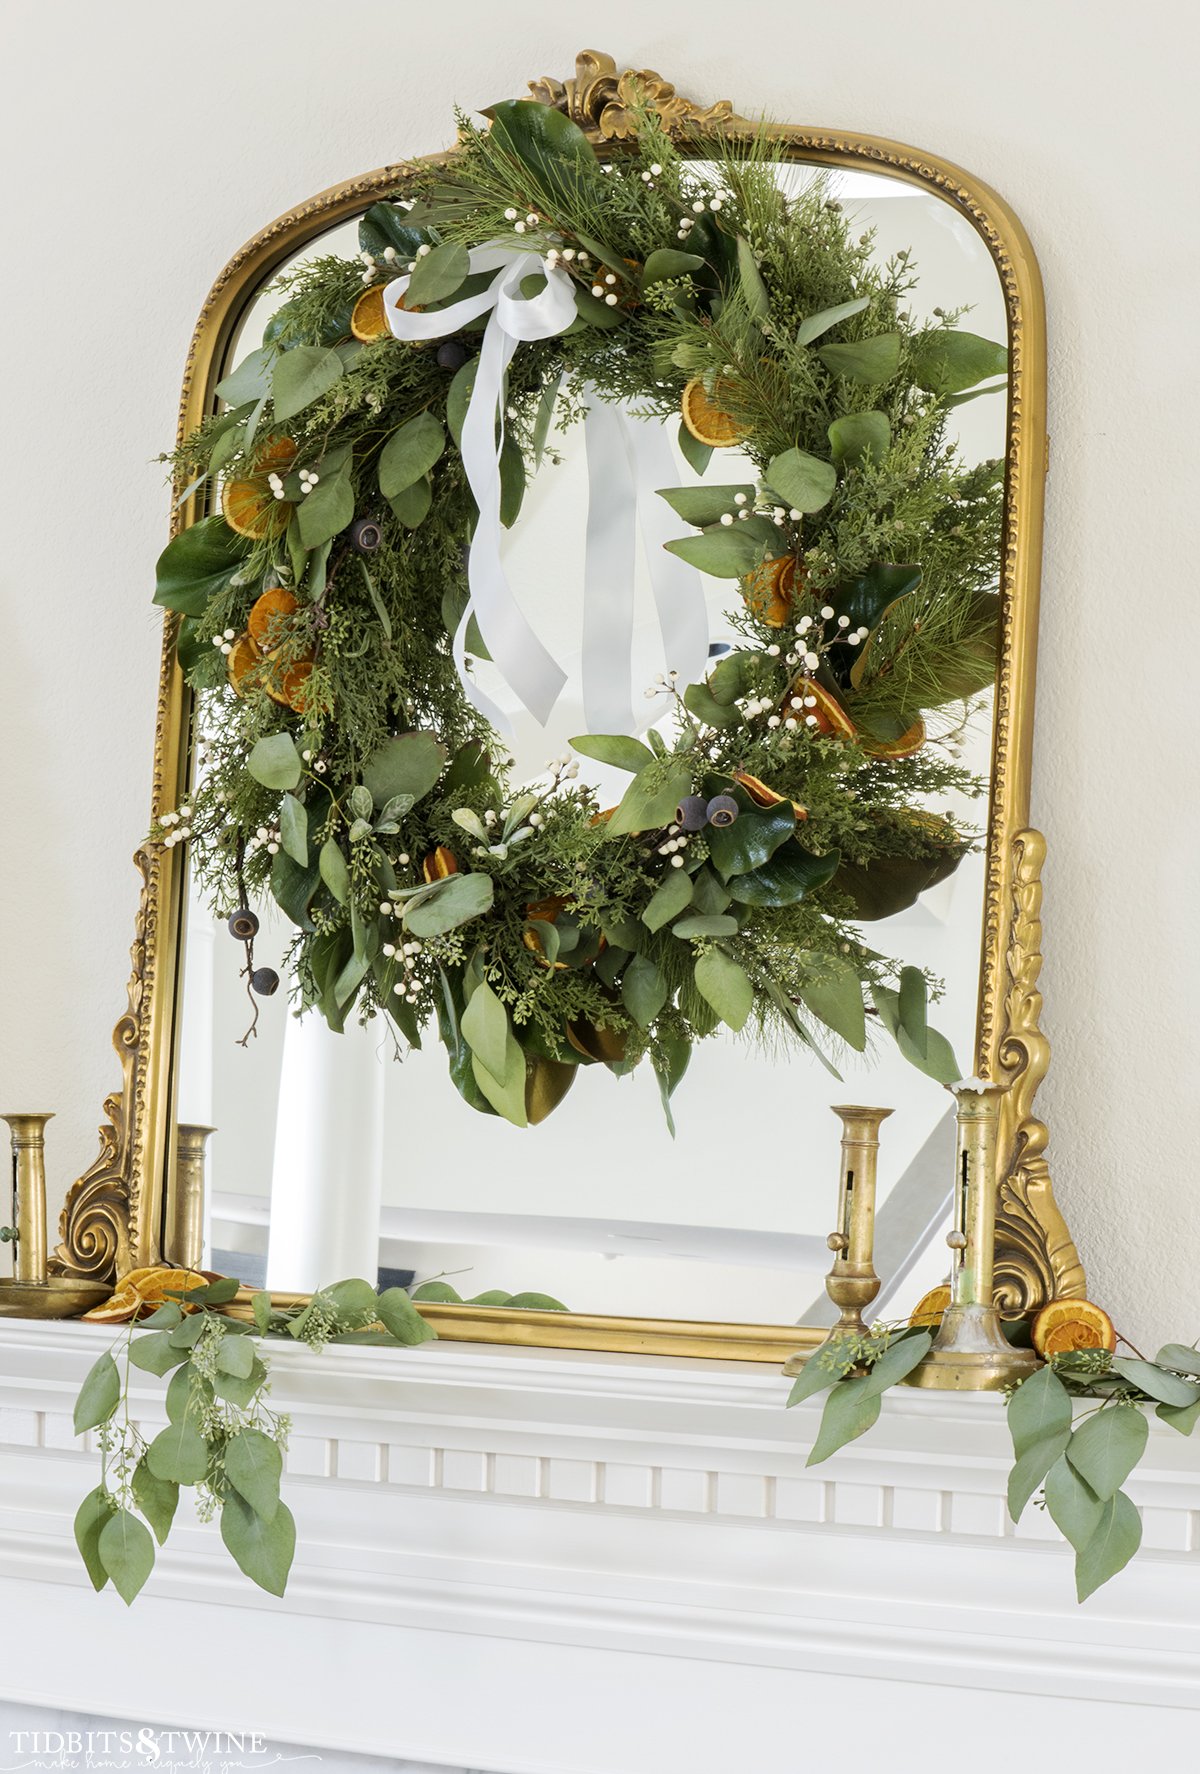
x,y
608,575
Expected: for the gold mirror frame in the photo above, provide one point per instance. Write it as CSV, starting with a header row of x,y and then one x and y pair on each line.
x,y
121,1212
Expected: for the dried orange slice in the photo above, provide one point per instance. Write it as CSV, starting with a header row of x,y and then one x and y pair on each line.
x,y
1064,1325
286,684
909,742
439,863
770,591
248,505
275,602
930,1307
244,657
828,715
707,421
763,795
368,321
142,1291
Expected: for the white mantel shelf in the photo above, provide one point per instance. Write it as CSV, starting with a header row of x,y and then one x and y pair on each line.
x,y
494,1543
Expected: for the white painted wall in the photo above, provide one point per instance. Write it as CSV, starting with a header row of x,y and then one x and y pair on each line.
x,y
140,147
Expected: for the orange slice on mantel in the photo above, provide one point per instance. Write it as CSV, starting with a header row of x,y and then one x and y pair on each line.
x,y
707,420
368,321
1066,1325
143,1291
248,505
930,1307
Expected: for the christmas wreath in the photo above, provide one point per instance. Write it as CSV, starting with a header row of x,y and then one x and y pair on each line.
x,y
332,606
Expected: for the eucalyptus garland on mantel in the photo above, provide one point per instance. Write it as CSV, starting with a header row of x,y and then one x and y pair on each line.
x,y
344,770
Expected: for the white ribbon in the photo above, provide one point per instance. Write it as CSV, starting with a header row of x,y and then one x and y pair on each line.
x,y
627,459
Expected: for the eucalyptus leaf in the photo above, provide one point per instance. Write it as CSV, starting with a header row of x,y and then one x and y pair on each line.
x,y
947,360
303,375
409,453
154,1353
438,1293
1166,1388
179,1453
706,505
816,324
665,264
871,361
459,899
1117,1537
898,1360
651,799
236,1390
613,748
126,1552
328,509
696,454
437,274
823,1369
534,1302
262,1550
670,1060
704,924
98,1396
754,290
723,984
1180,1356
800,480
1180,1417
1030,1470
92,1516
334,870
644,990
412,505
293,829
913,1008
850,1410
1072,1504
1105,1448
400,1317
188,1394
670,897
859,437
235,1355
275,762
497,1059
157,1498
936,1058
698,700
250,380
1039,1409
254,1467
832,990
409,764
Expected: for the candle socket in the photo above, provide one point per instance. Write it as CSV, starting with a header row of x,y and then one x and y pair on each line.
x,y
852,1282
28,1229
971,1352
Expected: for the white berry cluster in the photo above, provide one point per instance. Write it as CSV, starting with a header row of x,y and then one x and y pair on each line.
x,y
224,641
605,290
522,226
663,685
265,838
674,842
176,826
275,482
308,480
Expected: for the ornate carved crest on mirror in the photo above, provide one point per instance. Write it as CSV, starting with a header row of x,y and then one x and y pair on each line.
x,y
134,1205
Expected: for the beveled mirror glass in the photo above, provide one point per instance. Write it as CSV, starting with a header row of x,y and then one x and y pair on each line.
x,y
712,1242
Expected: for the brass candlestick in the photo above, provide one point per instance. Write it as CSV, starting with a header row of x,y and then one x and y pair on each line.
x,y
852,1282
971,1352
184,1243
28,1229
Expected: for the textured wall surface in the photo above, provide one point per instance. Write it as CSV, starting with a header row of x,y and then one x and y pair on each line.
x,y
141,146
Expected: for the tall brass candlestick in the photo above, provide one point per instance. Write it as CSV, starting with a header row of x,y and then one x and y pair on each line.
x,y
852,1282
184,1241
29,1195
971,1352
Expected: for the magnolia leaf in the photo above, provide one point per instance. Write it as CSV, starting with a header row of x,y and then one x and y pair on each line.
x,y
1105,1448
458,899
791,873
1039,1409
436,275
254,1467
823,1369
410,764
303,375
613,748
724,985
857,437
198,565
409,453
126,1552
1117,1537
557,158
92,1516
262,1550
644,991
157,1498
179,1453
1072,1505
670,897
802,481
1031,1469
832,990
946,361
275,762
850,1410
816,324
1166,1388
98,1396
751,840
867,360
400,1317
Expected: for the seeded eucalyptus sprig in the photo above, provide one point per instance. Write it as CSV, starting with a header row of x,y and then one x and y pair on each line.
x,y
222,1437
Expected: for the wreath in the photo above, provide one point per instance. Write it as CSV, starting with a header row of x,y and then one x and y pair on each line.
x,y
332,607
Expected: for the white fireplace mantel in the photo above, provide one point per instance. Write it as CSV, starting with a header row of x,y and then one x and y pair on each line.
x,y
547,1562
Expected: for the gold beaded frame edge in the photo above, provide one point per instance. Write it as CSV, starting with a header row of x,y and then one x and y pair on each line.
x,y
113,1214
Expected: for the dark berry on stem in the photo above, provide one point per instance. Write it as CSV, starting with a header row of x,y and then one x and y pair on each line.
x,y
365,535
692,813
722,810
264,981
451,355
243,924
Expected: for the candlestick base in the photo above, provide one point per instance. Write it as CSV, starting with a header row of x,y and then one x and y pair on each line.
x,y
850,1286
972,1354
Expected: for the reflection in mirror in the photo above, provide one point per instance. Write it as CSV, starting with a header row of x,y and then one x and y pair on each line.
x,y
332,1158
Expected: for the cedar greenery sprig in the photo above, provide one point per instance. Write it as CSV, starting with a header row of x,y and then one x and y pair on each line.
x,y
343,765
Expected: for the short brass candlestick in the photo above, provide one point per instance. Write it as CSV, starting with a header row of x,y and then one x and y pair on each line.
x,y
28,1229
852,1282
971,1352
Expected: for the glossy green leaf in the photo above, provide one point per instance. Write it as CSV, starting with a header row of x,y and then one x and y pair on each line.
x,y
157,1498
275,762
387,224
1030,1471
410,764
1167,1388
670,897
871,361
644,991
303,375
1117,1537
254,1467
751,840
800,480
832,990
947,360
850,1410
723,984
457,901
293,888
1039,1409
816,324
912,1006
613,748
1072,1504
179,1453
126,1552
98,1396
400,1317
197,565
92,1516
557,158
791,873
858,437
262,1550
1106,1447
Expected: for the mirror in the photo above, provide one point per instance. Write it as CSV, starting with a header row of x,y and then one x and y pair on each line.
x,y
599,1209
